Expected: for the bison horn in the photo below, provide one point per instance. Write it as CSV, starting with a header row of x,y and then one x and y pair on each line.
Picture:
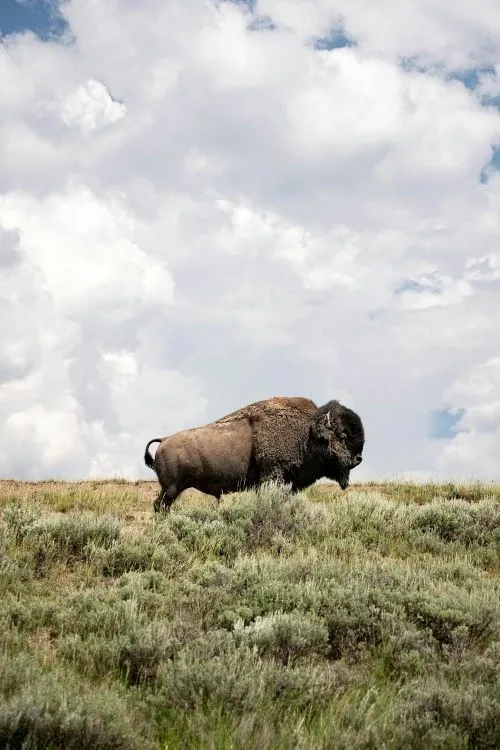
x,y
328,419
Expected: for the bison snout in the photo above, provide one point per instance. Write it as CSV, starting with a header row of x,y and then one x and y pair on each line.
x,y
357,459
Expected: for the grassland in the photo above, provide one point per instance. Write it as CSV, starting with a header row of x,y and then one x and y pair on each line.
x,y
365,619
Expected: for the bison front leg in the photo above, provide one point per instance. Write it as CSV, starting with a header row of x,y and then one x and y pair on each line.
x,y
273,474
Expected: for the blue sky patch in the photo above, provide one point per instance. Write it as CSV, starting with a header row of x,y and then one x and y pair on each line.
x,y
443,423
492,166
336,39
471,77
412,64
258,22
42,17
491,101
262,23
428,283
249,3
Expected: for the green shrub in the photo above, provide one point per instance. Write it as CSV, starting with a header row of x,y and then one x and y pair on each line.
x,y
16,574
286,637
48,719
17,667
206,536
232,679
270,515
437,714
139,554
100,612
460,521
66,539
443,616
407,652
237,680
20,519
135,656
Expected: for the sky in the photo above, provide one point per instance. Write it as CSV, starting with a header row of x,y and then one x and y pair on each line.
x,y
207,203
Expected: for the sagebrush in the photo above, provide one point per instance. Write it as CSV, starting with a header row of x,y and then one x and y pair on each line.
x,y
363,619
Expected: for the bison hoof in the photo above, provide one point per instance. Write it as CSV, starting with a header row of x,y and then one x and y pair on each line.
x,y
161,508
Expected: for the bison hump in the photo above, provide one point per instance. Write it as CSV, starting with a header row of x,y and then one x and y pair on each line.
x,y
268,407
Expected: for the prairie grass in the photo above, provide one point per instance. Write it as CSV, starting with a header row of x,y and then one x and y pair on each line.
x,y
364,619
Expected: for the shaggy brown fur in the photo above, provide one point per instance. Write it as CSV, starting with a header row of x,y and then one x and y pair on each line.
x,y
283,439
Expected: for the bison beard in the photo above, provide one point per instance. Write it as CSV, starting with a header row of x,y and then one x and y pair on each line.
x,y
343,479
287,440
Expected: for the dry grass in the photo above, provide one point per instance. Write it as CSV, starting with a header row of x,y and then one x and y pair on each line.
x,y
119,496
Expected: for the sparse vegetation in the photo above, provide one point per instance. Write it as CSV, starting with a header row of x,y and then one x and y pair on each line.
x,y
363,619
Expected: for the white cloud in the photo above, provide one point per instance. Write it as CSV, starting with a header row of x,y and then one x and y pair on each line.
x,y
196,214
85,249
484,268
46,437
429,30
475,397
91,107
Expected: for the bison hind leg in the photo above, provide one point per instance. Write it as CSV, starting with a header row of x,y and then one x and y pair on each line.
x,y
165,498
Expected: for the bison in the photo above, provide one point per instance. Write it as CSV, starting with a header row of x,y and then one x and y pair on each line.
x,y
287,440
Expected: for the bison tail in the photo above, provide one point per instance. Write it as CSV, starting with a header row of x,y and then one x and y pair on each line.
x,y
148,458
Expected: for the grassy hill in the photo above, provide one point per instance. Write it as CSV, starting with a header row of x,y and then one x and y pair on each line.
x,y
364,619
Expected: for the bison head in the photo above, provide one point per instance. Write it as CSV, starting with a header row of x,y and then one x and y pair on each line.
x,y
338,435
